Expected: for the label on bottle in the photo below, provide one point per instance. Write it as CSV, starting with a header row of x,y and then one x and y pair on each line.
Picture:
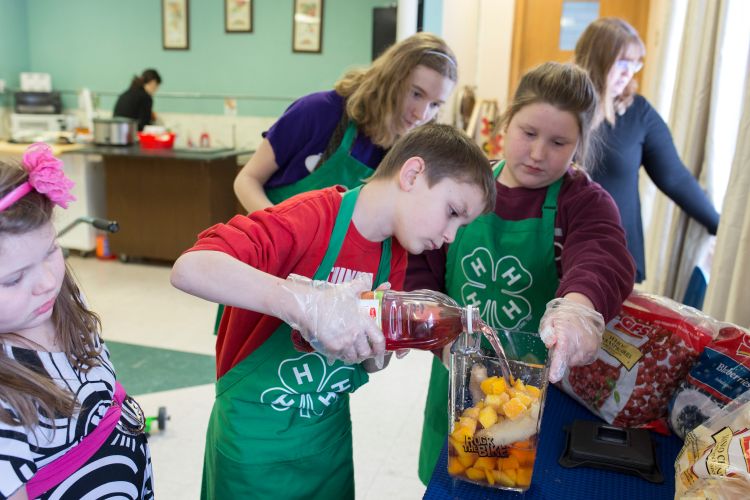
x,y
371,305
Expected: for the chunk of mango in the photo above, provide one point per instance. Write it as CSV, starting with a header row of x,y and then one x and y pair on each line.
x,y
467,459
487,463
496,400
469,423
513,408
455,468
532,391
475,474
506,463
525,457
472,412
461,432
503,478
524,398
494,385
523,476
487,417
490,476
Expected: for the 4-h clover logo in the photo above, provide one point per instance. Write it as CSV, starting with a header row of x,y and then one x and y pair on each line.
x,y
305,384
495,288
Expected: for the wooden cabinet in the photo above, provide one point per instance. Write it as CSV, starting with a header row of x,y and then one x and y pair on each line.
x,y
162,200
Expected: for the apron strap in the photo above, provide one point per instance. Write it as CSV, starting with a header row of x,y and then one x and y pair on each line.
x,y
498,168
348,140
340,227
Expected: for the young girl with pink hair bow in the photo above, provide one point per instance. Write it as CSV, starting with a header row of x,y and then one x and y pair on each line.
x,y
67,428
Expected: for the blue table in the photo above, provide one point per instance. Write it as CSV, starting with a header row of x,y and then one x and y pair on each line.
x,y
551,480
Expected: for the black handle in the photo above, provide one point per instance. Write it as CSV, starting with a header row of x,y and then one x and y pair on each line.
x,y
111,226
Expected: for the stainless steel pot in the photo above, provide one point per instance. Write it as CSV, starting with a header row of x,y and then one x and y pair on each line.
x,y
116,131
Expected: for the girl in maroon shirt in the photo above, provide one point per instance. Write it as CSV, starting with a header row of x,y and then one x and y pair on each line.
x,y
552,257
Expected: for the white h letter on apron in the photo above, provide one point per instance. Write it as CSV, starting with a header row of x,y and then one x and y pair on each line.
x,y
306,374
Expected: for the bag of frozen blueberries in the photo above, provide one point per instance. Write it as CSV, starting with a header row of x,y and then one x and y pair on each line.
x,y
720,375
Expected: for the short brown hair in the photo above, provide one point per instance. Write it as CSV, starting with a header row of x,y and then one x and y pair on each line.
x,y
448,153
77,328
566,87
374,95
600,45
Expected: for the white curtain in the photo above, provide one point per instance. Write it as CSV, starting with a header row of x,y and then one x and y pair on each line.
x,y
673,241
728,295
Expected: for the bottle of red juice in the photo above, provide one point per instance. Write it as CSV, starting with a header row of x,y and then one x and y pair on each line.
x,y
420,319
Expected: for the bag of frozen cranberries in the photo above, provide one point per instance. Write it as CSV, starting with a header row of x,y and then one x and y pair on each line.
x,y
646,351
720,375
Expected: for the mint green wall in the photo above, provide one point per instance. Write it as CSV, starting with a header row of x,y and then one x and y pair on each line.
x,y
101,44
433,16
14,47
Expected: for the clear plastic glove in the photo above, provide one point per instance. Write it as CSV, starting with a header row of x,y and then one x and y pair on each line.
x,y
573,333
327,316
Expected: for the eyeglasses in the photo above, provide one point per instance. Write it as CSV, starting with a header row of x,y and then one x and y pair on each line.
x,y
626,64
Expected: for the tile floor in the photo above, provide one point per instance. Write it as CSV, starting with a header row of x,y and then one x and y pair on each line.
x,y
138,307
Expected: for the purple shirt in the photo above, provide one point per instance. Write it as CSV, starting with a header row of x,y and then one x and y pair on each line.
x,y
301,135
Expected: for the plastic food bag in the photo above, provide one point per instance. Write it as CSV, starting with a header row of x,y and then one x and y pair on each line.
x,y
646,350
721,374
715,460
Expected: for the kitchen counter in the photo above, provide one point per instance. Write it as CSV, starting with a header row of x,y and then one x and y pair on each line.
x,y
135,151
163,198
17,149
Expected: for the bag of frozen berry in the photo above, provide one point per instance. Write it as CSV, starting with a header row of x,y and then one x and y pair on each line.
x,y
721,373
646,350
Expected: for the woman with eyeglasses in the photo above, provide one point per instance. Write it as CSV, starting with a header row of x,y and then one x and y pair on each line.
x,y
631,134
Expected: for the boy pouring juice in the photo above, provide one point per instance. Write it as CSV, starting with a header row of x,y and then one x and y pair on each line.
x,y
280,424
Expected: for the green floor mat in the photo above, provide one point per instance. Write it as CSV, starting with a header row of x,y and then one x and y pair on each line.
x,y
142,369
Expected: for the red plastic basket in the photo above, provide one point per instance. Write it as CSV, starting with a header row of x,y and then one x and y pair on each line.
x,y
159,141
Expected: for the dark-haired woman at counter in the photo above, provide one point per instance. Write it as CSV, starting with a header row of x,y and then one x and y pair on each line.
x,y
137,102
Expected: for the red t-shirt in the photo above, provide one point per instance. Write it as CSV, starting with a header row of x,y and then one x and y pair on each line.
x,y
291,237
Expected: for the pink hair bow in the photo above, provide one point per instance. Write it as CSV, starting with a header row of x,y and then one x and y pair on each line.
x,y
46,176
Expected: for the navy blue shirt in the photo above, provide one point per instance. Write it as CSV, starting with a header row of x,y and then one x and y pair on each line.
x,y
640,137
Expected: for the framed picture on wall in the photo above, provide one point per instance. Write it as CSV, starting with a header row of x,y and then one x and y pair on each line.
x,y
175,27
238,16
307,26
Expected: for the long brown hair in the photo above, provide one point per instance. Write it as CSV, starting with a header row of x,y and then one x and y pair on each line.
x,y
374,95
600,45
25,390
566,87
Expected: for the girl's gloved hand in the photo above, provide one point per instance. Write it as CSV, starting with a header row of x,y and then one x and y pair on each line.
x,y
327,316
573,333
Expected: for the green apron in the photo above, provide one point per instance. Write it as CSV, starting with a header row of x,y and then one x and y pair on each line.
x,y
340,168
280,425
507,269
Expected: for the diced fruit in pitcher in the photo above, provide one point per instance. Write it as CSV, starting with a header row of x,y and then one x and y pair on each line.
x,y
507,417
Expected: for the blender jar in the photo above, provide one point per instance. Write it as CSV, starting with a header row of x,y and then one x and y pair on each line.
x,y
495,422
